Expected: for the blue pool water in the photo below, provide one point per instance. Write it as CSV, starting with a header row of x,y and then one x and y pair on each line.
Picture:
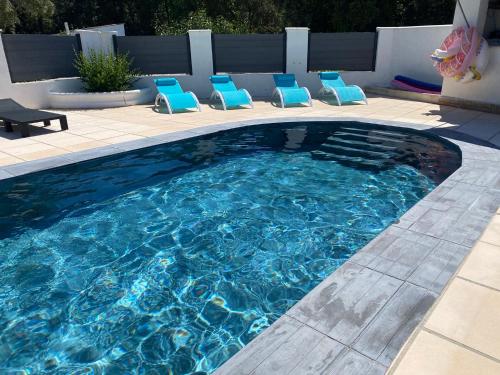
x,y
170,259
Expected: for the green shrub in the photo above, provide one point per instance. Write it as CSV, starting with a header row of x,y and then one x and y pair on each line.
x,y
102,72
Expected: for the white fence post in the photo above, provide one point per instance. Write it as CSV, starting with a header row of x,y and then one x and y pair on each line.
x,y
98,41
297,45
5,80
202,65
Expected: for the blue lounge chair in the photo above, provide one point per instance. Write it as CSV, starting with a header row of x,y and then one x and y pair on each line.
x,y
174,97
289,91
229,95
333,84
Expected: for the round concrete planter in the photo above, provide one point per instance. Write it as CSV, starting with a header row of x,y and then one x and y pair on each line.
x,y
77,100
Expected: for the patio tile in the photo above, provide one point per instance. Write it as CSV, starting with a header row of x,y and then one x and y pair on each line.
x,y
468,314
64,140
434,272
122,138
352,362
343,314
292,352
483,265
104,134
18,151
321,358
400,257
6,159
259,349
385,335
43,154
433,355
484,126
84,146
492,232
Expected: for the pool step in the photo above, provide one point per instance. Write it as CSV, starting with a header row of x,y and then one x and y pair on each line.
x,y
363,144
369,138
354,161
376,132
353,151
362,148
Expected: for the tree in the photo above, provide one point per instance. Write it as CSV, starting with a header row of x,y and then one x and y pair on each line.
x,y
238,16
33,15
8,16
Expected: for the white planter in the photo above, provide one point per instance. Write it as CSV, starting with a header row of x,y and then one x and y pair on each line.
x,y
77,100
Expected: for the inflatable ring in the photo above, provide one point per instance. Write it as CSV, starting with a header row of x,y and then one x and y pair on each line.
x,y
456,53
478,65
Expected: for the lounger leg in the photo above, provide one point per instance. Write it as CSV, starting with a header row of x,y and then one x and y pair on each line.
x,y
64,123
8,126
25,130
46,123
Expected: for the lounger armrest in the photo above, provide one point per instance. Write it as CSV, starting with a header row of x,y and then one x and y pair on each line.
x,y
277,91
195,99
308,94
248,96
362,92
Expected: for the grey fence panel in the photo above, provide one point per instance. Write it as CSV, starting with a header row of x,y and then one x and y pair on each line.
x,y
169,54
342,51
37,57
249,53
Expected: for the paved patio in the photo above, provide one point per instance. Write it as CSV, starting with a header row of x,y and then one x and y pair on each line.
x,y
90,129
460,335
356,320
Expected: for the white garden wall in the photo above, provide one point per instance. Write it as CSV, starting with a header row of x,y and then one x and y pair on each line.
x,y
410,50
400,51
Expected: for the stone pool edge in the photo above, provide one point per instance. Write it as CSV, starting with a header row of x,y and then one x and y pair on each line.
x,y
358,318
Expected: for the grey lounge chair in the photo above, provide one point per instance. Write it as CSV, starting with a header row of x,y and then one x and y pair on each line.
x,y
11,112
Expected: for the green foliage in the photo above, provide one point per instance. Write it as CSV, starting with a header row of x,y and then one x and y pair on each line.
x,y
199,19
146,17
8,16
26,15
102,72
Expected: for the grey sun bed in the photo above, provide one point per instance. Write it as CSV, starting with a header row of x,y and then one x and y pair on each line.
x,y
11,112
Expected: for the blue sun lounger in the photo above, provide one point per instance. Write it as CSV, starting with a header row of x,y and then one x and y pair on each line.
x,y
174,97
333,84
289,92
228,93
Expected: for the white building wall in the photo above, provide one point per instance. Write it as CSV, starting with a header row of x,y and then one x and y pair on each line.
x,y
410,50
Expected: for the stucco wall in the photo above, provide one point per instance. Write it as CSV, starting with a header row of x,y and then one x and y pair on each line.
x,y
411,49
400,50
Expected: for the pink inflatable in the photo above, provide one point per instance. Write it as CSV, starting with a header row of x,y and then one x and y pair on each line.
x,y
457,52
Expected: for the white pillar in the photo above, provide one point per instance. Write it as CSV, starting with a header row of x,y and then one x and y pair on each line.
x,y
297,44
5,82
475,12
98,41
385,56
485,89
201,61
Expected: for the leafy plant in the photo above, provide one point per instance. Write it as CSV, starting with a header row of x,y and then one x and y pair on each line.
x,y
199,19
101,72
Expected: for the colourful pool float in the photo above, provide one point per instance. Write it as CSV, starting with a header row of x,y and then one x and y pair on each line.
x,y
463,55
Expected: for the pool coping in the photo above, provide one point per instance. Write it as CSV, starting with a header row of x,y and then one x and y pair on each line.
x,y
359,317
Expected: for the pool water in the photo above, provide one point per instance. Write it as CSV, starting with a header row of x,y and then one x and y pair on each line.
x,y
170,259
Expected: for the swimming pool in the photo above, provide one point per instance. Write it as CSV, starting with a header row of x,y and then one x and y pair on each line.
x,y
173,257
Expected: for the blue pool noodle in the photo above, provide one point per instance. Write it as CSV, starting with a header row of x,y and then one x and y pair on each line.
x,y
419,84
